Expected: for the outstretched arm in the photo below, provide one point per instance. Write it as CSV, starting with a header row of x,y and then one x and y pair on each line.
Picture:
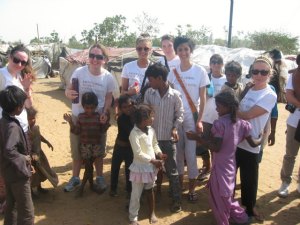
x,y
46,142
212,143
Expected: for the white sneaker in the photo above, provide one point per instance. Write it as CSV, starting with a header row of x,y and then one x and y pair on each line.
x,y
284,190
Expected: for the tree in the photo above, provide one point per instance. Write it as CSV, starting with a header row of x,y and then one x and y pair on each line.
x,y
268,40
147,24
73,43
201,36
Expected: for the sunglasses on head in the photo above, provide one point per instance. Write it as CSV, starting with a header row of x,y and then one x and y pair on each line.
x,y
17,61
262,72
215,62
139,49
98,57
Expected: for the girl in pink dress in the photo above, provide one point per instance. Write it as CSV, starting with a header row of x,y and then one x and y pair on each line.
x,y
226,133
144,167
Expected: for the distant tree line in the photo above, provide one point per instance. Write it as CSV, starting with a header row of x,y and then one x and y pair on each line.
x,y
114,32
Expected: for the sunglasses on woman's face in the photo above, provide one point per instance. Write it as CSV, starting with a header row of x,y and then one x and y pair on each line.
x,y
139,49
262,72
216,62
17,61
98,57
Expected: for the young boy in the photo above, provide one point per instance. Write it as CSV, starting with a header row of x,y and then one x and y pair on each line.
x,y
15,159
168,115
89,128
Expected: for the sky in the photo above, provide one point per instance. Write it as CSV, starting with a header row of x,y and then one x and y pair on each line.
x,y
19,18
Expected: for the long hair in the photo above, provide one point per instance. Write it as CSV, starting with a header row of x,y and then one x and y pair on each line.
x,y
228,99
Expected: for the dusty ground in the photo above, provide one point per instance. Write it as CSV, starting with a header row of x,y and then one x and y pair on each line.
x,y
59,208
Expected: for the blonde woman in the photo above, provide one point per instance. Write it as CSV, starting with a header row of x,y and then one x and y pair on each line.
x,y
255,107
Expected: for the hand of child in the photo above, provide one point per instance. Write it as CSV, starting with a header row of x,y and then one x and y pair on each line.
x,y
35,157
192,135
157,163
28,159
163,156
49,145
103,118
68,117
32,169
174,135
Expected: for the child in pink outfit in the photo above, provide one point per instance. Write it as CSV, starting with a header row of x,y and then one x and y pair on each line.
x,y
226,132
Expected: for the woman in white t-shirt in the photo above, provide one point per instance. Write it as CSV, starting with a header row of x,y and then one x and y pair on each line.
x,y
19,58
91,78
255,107
167,42
133,73
195,79
292,123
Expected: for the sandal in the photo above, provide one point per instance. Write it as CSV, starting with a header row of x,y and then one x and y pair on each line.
x,y
259,217
192,197
203,174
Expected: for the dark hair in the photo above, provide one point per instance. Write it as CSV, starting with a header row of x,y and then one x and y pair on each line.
x,y
228,99
28,67
31,111
19,48
216,57
124,99
141,113
275,54
157,70
11,98
233,67
184,39
89,98
167,37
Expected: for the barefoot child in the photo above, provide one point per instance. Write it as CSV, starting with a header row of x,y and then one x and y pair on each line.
x,y
122,149
15,159
89,128
144,166
226,133
40,161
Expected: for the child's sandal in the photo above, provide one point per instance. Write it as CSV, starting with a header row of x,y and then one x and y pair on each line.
x,y
192,197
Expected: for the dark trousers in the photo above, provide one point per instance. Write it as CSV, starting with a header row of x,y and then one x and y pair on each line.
x,y
19,205
248,163
120,154
169,148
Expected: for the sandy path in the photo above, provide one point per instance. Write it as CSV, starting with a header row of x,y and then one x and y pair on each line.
x,y
59,208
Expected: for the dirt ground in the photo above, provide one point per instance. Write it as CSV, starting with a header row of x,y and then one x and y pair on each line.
x,y
59,208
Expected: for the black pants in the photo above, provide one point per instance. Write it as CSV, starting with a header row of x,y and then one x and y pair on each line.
x,y
249,164
19,206
120,154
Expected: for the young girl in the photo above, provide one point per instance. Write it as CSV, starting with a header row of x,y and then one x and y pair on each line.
x,y
144,168
122,149
233,71
90,131
40,161
226,132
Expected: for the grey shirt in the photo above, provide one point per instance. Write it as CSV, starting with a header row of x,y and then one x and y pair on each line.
x,y
168,111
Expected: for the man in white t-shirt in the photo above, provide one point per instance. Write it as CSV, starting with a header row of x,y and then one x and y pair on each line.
x,y
293,124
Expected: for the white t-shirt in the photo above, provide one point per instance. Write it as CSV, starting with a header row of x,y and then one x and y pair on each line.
x,y
293,118
193,79
133,73
266,99
210,113
100,85
172,63
9,80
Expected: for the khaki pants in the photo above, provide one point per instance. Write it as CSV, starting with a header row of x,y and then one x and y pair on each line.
x,y
292,148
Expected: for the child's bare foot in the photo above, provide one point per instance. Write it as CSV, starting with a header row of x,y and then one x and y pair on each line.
x,y
153,218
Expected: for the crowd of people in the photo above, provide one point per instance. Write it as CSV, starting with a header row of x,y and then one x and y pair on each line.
x,y
169,112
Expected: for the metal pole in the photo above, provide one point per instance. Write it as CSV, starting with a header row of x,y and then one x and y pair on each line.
x,y
230,24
